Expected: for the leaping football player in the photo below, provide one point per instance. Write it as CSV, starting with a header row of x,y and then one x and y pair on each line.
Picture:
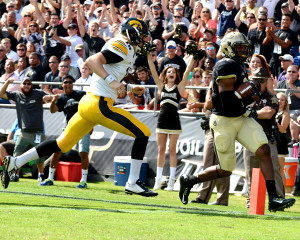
x,y
230,121
109,67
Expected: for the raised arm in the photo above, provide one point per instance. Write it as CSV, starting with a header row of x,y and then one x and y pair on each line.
x,y
38,13
57,38
183,83
68,19
113,12
159,83
4,88
79,21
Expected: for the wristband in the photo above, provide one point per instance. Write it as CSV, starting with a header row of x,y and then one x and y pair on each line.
x,y
109,78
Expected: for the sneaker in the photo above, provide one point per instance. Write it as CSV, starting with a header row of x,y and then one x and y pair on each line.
x,y
296,192
185,188
14,178
170,186
41,178
9,169
47,182
82,184
217,203
279,203
158,183
140,189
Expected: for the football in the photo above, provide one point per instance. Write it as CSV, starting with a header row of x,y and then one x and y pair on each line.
x,y
245,89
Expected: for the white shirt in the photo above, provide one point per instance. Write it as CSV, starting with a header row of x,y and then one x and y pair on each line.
x,y
12,55
70,50
85,81
11,87
21,74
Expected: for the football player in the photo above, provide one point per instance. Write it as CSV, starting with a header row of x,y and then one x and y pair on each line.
x,y
109,67
230,121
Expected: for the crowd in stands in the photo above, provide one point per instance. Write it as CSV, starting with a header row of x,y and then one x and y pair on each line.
x,y
49,39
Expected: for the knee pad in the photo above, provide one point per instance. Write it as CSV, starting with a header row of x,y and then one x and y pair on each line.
x,y
222,142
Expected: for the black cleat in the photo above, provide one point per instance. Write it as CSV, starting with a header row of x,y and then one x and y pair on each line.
x,y
185,189
296,192
139,188
279,203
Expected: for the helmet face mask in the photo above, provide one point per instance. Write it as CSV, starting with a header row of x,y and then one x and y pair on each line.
x,y
135,30
235,46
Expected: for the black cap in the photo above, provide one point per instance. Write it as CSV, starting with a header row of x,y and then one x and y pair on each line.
x,y
64,57
210,31
72,25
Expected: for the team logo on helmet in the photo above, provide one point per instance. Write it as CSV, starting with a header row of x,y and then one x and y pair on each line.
x,y
136,24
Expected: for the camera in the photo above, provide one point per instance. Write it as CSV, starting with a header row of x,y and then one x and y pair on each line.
x,y
178,32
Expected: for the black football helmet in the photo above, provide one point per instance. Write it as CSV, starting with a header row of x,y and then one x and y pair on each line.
x,y
134,29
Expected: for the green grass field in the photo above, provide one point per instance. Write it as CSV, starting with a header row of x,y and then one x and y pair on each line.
x,y
104,211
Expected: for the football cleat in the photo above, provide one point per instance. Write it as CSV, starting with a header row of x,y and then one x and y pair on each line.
x,y
185,189
47,182
279,203
82,184
139,188
9,170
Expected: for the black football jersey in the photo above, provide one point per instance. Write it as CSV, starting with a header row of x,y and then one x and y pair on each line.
x,y
227,68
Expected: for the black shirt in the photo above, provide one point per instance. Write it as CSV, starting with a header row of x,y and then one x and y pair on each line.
x,y
69,103
2,65
176,62
156,31
6,34
36,74
92,45
53,47
256,38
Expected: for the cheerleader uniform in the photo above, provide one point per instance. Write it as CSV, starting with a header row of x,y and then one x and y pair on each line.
x,y
282,140
168,120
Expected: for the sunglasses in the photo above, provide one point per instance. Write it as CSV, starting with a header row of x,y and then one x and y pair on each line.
x,y
68,82
156,8
99,2
53,62
205,12
21,49
27,84
228,1
196,76
10,6
177,17
27,15
153,55
250,17
284,60
178,9
1,50
32,25
99,11
262,19
171,47
210,48
291,71
64,66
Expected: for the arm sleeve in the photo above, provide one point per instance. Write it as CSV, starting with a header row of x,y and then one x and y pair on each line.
x,y
111,57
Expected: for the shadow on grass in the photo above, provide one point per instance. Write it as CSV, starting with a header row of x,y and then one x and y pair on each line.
x,y
184,210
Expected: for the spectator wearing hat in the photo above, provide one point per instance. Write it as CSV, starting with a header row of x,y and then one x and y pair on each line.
x,y
36,73
266,109
92,42
283,39
29,106
71,41
73,71
155,20
285,61
80,52
260,43
172,59
282,6
292,82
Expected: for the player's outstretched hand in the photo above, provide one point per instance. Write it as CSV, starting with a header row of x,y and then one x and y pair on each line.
x,y
137,89
119,88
